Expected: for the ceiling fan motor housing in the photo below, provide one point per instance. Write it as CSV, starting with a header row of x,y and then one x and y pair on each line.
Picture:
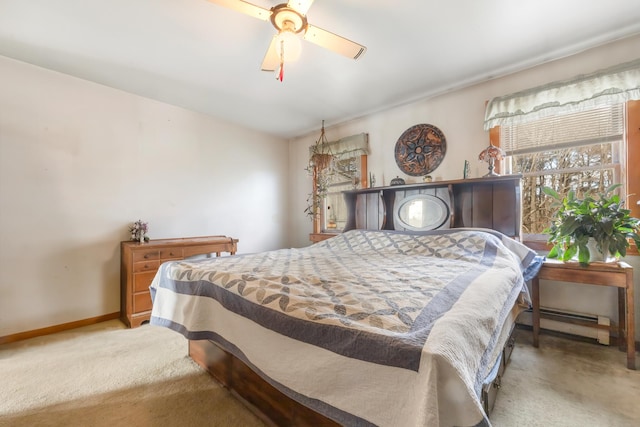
x,y
285,18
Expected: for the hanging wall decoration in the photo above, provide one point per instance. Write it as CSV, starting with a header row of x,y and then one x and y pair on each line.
x,y
420,149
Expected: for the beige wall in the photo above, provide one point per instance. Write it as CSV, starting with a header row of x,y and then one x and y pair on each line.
x,y
460,114
79,162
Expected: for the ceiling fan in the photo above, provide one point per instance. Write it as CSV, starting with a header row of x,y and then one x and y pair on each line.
x,y
290,19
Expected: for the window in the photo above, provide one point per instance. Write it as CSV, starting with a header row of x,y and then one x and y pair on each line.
x,y
582,152
588,150
573,140
346,175
335,167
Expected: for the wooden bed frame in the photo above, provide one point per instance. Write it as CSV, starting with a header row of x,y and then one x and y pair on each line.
x,y
493,203
278,409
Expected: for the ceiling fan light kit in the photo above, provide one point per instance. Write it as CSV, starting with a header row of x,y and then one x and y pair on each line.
x,y
290,20
288,46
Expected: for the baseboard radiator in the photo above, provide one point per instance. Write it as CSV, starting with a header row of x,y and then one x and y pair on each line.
x,y
580,324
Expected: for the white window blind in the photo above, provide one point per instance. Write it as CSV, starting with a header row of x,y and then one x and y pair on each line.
x,y
596,126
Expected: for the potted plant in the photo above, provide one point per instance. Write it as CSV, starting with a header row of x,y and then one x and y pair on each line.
x,y
584,226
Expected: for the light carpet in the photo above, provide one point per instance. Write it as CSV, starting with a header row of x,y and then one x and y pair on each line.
x,y
106,375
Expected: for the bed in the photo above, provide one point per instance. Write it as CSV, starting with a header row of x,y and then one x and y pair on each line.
x,y
379,325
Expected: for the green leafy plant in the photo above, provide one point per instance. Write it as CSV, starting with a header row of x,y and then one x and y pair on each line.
x,y
603,218
321,181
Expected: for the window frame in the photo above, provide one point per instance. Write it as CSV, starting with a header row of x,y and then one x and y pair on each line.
x,y
632,134
319,219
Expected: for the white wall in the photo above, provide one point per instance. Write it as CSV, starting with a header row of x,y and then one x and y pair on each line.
x,y
460,114
79,162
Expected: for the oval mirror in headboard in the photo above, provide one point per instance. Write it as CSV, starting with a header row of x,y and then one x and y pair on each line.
x,y
422,212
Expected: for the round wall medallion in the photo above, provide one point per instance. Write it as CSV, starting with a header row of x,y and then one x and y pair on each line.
x,y
420,149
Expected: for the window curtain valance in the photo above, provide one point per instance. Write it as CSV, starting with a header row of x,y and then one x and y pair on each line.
x,y
609,86
346,147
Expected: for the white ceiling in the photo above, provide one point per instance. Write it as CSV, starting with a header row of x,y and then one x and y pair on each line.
x,y
201,56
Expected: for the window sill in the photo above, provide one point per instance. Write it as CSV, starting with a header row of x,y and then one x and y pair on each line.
x,y
538,242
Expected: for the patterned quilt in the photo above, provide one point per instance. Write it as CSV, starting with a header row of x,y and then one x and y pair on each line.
x,y
367,302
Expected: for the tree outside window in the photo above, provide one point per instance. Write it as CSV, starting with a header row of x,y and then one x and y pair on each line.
x,y
582,152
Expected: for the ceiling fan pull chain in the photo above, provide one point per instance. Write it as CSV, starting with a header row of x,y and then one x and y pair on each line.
x,y
281,71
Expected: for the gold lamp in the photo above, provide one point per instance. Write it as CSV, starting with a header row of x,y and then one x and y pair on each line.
x,y
490,155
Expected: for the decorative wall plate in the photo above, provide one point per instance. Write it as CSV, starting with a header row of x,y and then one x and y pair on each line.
x,y
420,149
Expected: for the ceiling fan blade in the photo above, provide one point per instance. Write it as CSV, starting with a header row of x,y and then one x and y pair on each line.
x,y
334,42
245,7
271,61
301,6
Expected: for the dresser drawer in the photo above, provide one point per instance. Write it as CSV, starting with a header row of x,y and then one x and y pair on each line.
x,y
141,266
141,281
145,254
142,302
171,253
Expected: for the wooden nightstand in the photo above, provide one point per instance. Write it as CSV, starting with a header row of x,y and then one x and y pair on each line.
x,y
618,274
140,262
319,237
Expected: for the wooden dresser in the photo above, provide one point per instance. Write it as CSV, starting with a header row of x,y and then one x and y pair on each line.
x,y
140,262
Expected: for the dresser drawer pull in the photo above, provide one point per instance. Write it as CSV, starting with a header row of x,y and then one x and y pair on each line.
x,y
146,256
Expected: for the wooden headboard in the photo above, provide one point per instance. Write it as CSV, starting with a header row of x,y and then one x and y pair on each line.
x,y
493,203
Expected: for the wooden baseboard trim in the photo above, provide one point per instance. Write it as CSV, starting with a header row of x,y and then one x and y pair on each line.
x,y
57,328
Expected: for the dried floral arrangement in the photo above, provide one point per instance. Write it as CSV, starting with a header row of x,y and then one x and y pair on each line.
x,y
139,231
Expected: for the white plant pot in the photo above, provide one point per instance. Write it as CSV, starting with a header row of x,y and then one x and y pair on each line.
x,y
595,255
